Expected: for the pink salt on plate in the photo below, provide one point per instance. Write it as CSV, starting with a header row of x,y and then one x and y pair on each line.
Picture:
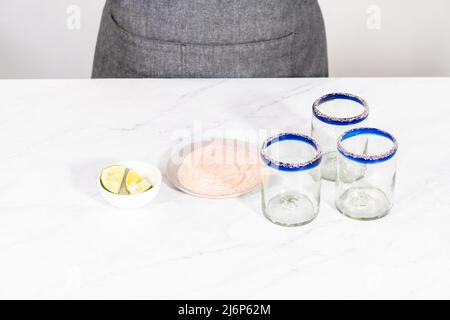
x,y
220,169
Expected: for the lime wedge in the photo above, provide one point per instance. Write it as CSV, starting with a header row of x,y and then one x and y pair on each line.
x,y
111,178
136,184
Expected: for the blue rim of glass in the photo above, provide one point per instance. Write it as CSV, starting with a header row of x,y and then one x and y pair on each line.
x,y
290,166
337,120
364,158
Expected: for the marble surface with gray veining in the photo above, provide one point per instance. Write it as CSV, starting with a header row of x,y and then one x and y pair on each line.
x,y
59,239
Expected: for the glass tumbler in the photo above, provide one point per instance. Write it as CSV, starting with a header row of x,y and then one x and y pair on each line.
x,y
333,114
366,175
291,179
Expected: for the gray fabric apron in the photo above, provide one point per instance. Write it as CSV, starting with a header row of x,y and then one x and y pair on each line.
x,y
211,39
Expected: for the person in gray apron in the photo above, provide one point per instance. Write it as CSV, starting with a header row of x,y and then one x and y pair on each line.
x,y
211,39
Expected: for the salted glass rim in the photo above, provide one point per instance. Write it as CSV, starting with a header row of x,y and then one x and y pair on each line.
x,y
291,166
340,121
364,158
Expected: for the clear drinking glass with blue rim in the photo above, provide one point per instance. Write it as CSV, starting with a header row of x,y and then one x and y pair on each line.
x,y
333,114
366,173
291,179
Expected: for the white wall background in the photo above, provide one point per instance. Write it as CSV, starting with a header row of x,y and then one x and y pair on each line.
x,y
365,38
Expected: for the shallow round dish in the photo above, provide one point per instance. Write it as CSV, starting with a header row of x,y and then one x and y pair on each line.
x,y
134,201
180,153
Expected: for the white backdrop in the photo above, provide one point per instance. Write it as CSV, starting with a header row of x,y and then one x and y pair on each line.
x,y
56,38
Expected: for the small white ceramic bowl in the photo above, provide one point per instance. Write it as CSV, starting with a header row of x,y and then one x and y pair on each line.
x,y
134,201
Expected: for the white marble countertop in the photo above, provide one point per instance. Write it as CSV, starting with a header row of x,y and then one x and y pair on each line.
x,y
59,239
